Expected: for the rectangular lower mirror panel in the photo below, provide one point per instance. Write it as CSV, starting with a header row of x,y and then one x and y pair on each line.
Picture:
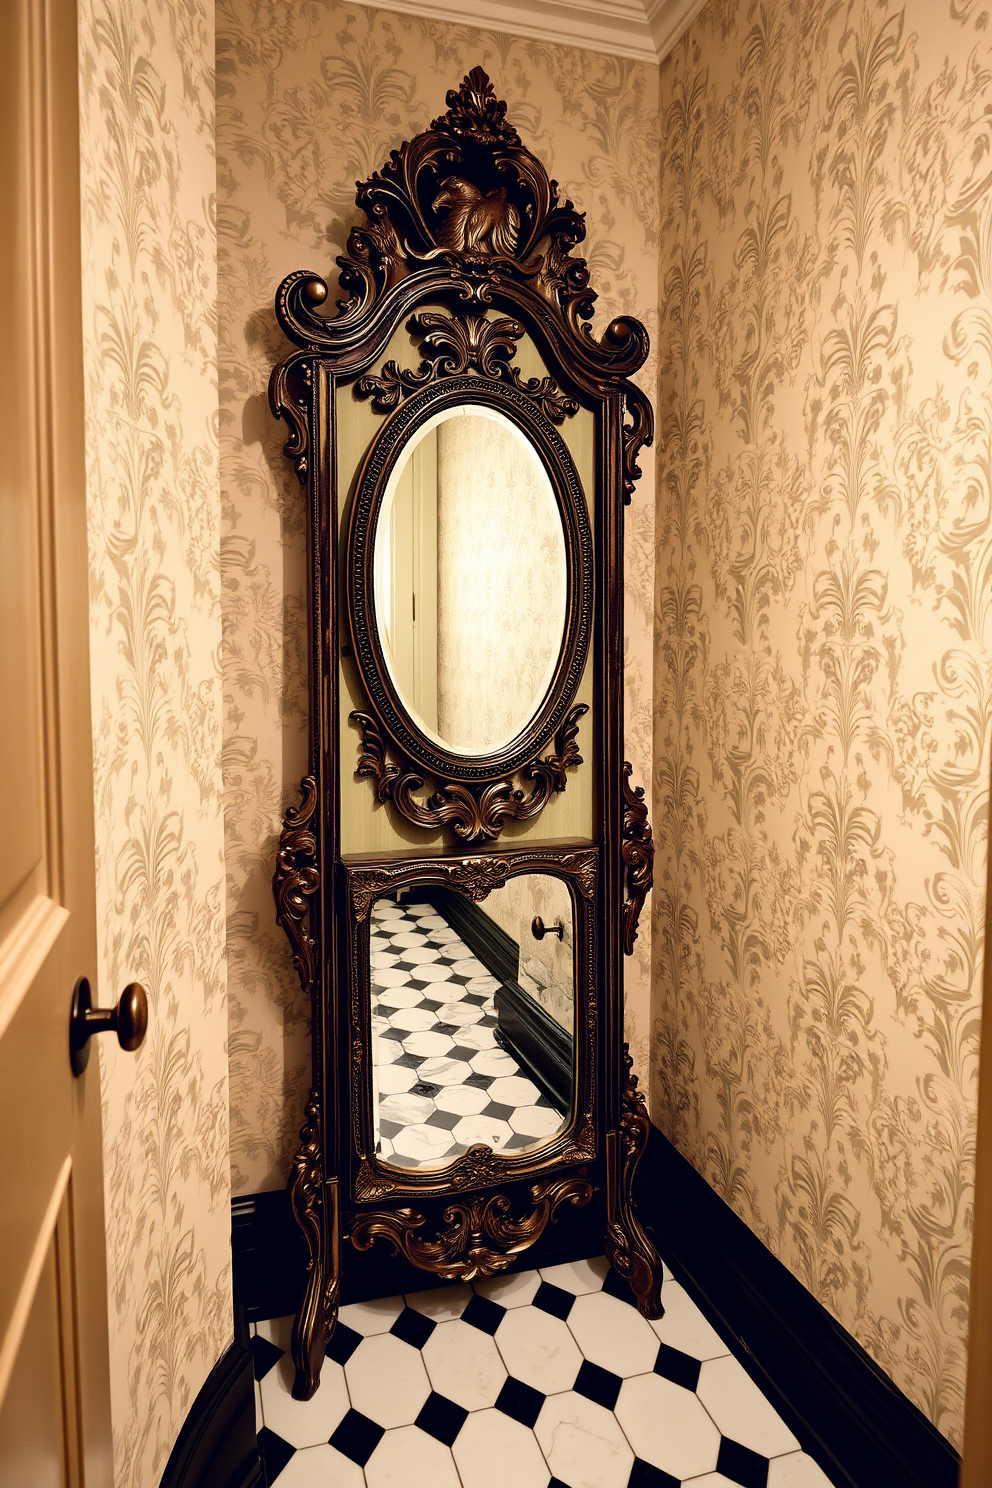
x,y
472,1017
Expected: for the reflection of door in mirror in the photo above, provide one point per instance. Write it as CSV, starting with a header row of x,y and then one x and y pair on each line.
x,y
464,1052
470,579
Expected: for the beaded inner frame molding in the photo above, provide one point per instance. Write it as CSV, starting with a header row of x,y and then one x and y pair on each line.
x,y
467,245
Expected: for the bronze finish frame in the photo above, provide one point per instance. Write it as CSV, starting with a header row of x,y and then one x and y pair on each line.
x,y
463,217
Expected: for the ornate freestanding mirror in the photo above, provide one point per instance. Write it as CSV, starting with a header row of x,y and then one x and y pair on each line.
x,y
468,861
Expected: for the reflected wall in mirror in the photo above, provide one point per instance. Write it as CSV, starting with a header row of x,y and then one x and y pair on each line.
x,y
470,579
472,1020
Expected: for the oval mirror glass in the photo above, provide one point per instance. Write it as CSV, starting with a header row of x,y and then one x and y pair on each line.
x,y
470,580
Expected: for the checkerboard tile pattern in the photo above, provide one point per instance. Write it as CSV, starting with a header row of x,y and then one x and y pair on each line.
x,y
443,1083
543,1379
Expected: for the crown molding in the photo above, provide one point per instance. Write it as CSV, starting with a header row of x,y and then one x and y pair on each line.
x,y
644,30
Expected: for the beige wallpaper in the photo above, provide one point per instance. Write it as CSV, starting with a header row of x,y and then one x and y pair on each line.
x,y
149,256
312,97
823,627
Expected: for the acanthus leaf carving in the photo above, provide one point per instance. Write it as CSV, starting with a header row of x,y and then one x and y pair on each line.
x,y
629,1249
297,879
453,345
480,1235
638,856
475,813
637,434
306,1196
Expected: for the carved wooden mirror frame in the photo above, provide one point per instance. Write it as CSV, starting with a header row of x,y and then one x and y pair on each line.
x,y
462,217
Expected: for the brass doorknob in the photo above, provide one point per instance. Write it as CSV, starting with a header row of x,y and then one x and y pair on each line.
x,y
539,929
129,1020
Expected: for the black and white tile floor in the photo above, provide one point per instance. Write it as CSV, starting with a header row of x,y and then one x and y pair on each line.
x,y
544,1379
443,1082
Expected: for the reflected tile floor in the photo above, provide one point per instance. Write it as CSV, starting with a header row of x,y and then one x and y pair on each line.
x,y
543,1379
443,1082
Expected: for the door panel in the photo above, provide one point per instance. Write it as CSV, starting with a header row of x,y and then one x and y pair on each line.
x,y
54,1386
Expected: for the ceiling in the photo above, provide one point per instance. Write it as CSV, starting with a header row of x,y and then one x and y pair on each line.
x,y
643,29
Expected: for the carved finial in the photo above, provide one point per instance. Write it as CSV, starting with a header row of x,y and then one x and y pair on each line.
x,y
474,112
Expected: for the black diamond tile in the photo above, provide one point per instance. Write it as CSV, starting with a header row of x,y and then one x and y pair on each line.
x,y
495,1112
446,1028
556,1483
615,1286
410,1061
644,1475
446,1120
461,1052
274,1452
389,1128
554,1300
514,1143
413,1327
264,1356
399,1034
483,1314
424,1087
357,1437
597,1384
441,1418
479,1082
520,1401
741,1465
680,1368
342,1343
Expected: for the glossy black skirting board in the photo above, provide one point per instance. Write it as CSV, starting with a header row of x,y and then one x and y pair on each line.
x,y
844,1409
216,1447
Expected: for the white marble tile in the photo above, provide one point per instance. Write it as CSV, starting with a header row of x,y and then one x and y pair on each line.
x,y
667,1426
399,997
385,977
477,1038
423,976
432,922
405,1109
384,1148
711,1480
740,1410
470,966
485,1129
369,1318
464,1364
461,1014
445,936
796,1470
407,938
378,942
407,1456
684,1327
413,1020
463,1100
396,1079
456,950
583,1443
422,1143
380,959
277,1330
387,1051
534,1121
303,1423
387,1380
429,1043
510,1291
514,1090
420,955
480,984
317,1467
538,1349
579,1277
442,1071
442,1303
443,993
494,1062
612,1334
494,1451
415,911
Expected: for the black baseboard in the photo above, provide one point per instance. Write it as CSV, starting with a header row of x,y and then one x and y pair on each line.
x,y
480,932
844,1409
539,1044
216,1447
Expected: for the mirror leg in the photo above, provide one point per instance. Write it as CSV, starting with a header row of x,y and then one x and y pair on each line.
x,y
315,1208
629,1249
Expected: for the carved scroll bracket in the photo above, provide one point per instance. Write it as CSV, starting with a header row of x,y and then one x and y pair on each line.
x,y
452,345
480,1235
297,879
475,813
628,1249
307,1195
638,856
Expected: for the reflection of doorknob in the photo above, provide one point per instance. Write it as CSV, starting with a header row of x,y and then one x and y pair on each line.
x,y
129,1020
539,929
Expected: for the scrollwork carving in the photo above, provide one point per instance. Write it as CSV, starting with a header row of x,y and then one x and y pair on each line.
x,y
314,1320
638,856
475,813
480,1235
297,879
628,1249
638,433
453,345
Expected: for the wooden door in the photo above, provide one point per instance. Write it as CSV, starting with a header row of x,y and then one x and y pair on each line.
x,y
54,1384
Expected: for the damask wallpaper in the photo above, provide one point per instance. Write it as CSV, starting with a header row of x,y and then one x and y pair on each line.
x,y
310,98
823,620
149,256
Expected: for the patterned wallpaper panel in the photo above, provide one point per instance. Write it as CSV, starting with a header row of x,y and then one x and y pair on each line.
x,y
149,256
310,98
823,678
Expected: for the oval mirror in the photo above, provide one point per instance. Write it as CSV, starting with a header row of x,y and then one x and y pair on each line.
x,y
470,579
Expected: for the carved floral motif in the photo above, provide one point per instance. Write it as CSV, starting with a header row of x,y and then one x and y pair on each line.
x,y
297,879
638,856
